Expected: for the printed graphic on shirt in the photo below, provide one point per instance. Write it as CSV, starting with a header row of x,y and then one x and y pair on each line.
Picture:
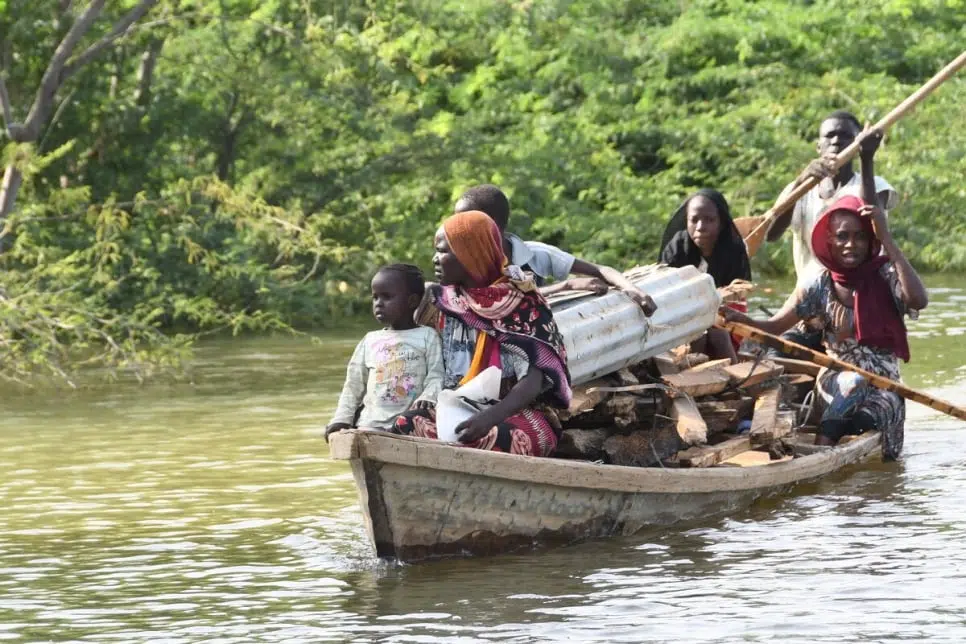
x,y
397,370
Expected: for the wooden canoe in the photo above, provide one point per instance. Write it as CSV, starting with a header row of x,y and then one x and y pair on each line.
x,y
424,498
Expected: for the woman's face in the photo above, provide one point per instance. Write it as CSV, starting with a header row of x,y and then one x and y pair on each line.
x,y
704,224
849,242
448,270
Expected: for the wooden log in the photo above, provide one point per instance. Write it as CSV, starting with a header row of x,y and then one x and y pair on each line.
x,y
585,398
697,384
709,455
692,360
719,415
640,413
801,352
690,425
632,389
765,415
623,409
795,387
688,421
755,458
798,366
749,374
710,365
645,447
678,359
666,364
585,444
784,425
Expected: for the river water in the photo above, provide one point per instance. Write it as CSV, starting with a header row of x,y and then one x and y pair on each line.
x,y
209,512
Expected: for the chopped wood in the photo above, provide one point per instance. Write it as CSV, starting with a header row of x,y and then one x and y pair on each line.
x,y
710,365
690,425
688,421
627,410
706,456
795,387
700,383
587,444
623,409
631,388
754,458
749,374
719,415
678,359
641,413
798,366
784,424
692,360
666,364
646,447
763,421
791,365
585,398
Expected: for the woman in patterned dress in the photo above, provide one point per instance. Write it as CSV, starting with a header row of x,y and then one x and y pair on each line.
x,y
861,297
490,315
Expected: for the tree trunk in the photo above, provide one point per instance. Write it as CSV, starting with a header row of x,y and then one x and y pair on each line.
x,y
8,190
142,95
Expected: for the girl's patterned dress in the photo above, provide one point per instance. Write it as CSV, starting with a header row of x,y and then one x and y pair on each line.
x,y
844,394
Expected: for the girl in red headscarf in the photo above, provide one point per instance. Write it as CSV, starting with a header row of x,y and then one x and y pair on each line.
x,y
491,316
861,297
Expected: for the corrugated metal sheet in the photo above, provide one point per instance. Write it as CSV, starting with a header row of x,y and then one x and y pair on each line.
x,y
607,333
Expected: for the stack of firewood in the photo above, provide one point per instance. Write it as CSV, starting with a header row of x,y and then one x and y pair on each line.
x,y
682,410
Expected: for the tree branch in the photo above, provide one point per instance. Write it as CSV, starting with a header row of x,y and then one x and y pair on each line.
x,y
53,121
5,104
52,78
120,28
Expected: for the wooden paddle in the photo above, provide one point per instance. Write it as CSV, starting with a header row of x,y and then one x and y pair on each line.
x,y
804,353
759,225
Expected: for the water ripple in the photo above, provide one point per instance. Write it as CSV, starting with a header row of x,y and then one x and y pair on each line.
x,y
210,513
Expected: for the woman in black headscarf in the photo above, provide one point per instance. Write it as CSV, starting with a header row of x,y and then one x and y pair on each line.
x,y
702,234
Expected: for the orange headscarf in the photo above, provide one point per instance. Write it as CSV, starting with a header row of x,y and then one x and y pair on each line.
x,y
476,242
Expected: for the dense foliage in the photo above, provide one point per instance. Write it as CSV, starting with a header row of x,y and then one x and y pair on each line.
x,y
245,164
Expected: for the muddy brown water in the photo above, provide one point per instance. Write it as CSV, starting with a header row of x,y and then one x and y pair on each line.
x,y
211,513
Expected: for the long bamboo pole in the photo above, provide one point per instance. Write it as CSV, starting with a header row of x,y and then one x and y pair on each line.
x,y
754,239
804,353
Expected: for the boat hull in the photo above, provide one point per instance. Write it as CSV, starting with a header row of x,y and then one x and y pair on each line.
x,y
424,499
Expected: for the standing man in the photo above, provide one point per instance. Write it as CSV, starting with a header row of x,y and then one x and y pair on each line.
x,y
837,132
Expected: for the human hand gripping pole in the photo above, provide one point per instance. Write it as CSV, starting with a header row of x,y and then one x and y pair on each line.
x,y
804,353
754,239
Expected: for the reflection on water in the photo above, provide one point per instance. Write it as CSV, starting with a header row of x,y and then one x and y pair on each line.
x,y
210,512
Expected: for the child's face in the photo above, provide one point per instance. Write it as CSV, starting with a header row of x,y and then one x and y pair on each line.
x,y
392,304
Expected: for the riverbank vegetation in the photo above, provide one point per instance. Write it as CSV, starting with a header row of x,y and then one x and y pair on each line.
x,y
245,164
